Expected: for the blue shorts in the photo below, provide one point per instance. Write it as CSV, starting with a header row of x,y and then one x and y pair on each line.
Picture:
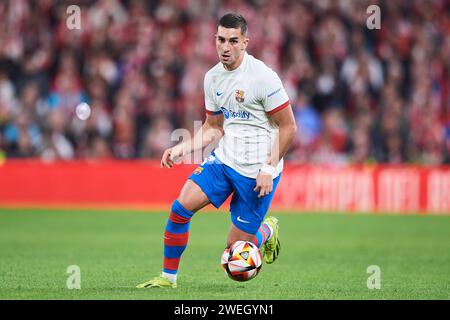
x,y
218,181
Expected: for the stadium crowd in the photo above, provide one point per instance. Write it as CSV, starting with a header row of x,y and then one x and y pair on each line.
x,y
359,95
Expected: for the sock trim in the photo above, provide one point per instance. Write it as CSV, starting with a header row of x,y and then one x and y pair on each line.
x,y
178,208
270,231
170,276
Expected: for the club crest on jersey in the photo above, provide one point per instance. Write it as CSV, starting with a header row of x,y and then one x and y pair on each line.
x,y
198,170
239,95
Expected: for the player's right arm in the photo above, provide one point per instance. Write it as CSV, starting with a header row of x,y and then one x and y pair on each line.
x,y
211,131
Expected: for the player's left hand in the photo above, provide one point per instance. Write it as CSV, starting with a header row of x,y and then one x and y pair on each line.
x,y
264,184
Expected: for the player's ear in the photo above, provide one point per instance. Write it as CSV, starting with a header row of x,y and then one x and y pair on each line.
x,y
245,44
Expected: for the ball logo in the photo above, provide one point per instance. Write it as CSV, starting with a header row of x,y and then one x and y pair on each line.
x,y
244,255
239,95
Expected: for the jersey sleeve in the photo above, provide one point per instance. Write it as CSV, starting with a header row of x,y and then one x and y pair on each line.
x,y
210,104
274,96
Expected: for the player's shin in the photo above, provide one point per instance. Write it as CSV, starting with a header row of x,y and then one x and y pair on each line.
x,y
176,236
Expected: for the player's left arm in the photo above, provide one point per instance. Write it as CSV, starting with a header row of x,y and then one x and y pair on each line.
x,y
287,129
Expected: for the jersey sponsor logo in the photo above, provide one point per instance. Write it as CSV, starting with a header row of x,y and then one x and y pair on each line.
x,y
241,220
239,95
235,114
218,93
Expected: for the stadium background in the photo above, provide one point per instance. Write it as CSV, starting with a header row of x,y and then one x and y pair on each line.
x,y
372,106
372,109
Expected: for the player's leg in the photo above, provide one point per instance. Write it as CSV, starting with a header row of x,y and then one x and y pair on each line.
x,y
236,234
206,185
247,214
176,233
264,233
247,222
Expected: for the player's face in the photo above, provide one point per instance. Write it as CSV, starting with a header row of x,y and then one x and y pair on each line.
x,y
230,46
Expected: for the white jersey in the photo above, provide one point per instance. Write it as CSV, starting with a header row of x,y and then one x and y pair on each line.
x,y
246,96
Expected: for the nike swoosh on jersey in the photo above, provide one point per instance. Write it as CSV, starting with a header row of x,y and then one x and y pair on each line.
x,y
218,93
243,221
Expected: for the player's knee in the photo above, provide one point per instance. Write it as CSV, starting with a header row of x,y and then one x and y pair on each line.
x,y
184,204
179,209
192,197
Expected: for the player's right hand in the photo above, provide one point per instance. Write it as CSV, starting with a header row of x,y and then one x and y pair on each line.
x,y
167,159
264,184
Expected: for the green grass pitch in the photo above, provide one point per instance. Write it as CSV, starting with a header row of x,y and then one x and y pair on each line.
x,y
323,256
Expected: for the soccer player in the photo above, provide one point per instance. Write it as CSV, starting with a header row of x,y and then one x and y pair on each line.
x,y
248,113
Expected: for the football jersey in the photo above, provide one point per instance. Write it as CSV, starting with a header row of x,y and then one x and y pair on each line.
x,y
246,96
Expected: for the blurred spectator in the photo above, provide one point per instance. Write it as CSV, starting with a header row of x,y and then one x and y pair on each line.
x,y
362,73
55,144
333,142
358,95
157,139
361,143
22,136
391,130
67,88
98,149
309,129
7,97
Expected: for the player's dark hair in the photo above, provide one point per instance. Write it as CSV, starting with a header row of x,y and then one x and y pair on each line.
x,y
234,21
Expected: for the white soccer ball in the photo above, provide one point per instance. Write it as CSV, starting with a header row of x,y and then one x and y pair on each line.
x,y
242,261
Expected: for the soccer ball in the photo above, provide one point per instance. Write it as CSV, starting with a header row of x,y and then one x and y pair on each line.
x,y
242,261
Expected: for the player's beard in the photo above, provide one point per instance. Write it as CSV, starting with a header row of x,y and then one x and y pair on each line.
x,y
229,61
226,59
